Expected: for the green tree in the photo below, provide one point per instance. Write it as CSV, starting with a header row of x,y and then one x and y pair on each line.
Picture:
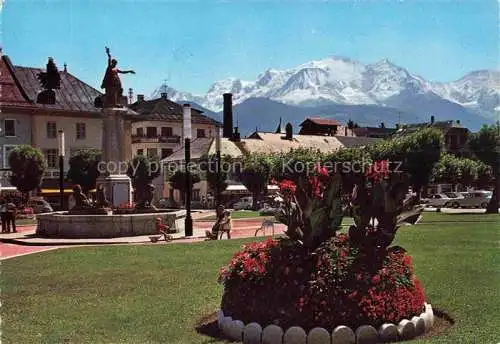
x,y
256,174
83,168
415,154
446,170
486,147
178,182
27,165
217,182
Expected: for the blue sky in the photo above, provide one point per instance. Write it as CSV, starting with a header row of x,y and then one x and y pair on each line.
x,y
195,43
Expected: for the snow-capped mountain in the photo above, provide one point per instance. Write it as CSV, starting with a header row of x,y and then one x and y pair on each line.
x,y
337,80
479,90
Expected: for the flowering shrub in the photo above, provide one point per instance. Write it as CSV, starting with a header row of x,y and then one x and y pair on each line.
x,y
276,281
248,263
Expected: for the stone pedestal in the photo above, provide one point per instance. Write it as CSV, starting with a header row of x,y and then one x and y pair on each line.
x,y
116,183
118,189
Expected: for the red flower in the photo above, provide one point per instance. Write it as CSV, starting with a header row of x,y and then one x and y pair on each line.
x,y
378,170
376,279
288,185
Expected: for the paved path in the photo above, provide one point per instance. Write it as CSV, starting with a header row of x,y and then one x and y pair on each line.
x,y
24,242
13,250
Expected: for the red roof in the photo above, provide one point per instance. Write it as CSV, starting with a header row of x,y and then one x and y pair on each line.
x,y
322,121
11,92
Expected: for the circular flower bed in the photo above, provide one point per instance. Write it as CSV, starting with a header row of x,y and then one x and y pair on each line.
x,y
280,282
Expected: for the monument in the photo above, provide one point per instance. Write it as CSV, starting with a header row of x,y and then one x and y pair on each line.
x,y
116,183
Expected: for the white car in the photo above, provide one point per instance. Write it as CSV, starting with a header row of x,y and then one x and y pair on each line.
x,y
474,199
443,200
245,203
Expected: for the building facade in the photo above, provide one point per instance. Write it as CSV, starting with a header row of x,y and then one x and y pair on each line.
x,y
157,130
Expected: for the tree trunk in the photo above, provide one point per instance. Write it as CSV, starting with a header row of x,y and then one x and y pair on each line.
x,y
254,201
492,207
417,189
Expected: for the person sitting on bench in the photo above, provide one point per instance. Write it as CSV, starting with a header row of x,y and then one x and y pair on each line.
x,y
216,228
163,229
226,225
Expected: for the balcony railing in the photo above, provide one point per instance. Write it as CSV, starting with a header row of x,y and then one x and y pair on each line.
x,y
153,139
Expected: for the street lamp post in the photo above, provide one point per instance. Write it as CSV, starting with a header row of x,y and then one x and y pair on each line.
x,y
188,222
60,139
218,166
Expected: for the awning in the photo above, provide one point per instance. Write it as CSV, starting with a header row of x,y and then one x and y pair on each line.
x,y
54,191
236,188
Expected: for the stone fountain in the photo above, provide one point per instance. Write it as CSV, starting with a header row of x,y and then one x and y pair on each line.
x,y
98,220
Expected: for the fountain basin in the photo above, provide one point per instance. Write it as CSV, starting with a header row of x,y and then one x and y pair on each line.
x,y
64,225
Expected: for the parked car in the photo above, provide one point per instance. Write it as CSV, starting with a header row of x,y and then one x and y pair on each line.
x,y
244,203
40,206
268,210
442,200
474,199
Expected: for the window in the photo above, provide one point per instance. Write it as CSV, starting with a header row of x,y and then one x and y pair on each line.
x,y
151,132
140,131
166,131
166,152
200,132
196,195
51,156
140,151
9,126
51,130
80,131
6,152
152,152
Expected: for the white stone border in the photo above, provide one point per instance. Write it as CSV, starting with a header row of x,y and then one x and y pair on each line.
x,y
253,333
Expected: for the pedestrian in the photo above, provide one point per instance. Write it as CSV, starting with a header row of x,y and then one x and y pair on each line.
x,y
3,214
11,217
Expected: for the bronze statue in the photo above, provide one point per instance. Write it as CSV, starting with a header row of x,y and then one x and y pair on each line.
x,y
101,201
144,196
50,80
81,201
112,84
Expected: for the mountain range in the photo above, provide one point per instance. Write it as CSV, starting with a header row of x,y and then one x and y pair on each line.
x,y
344,89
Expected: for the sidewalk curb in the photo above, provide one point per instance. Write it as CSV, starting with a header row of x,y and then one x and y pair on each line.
x,y
56,242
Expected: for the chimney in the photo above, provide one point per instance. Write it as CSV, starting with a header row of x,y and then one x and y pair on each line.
x,y
140,98
228,116
65,67
130,96
432,119
458,121
164,95
186,114
288,131
236,135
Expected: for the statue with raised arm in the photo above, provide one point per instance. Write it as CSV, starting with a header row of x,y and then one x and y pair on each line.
x,y
112,84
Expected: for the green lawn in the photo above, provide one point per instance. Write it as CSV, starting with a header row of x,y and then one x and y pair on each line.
x,y
157,294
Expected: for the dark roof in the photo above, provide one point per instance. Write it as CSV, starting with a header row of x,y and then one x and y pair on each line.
x,y
445,126
352,142
162,109
362,131
321,121
11,93
74,94
437,124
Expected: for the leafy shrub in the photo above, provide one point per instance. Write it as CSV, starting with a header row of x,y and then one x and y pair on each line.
x,y
278,282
